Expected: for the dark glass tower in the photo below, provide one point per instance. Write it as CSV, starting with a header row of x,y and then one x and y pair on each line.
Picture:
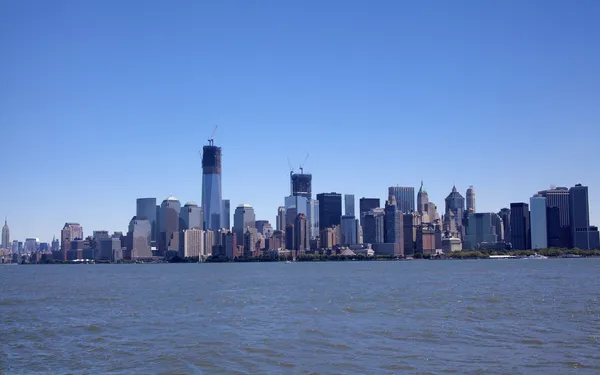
x,y
301,184
520,229
330,210
211,187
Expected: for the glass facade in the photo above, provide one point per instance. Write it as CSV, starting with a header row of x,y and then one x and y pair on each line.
x,y
146,208
211,188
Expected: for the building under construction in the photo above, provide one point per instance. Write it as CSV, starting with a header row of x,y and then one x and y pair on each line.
x,y
301,184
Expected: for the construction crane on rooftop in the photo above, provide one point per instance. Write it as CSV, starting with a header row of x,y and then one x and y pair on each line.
x,y
304,162
211,140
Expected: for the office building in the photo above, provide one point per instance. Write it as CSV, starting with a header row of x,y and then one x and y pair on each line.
x,y
264,228
504,214
422,199
579,216
479,229
373,229
405,197
109,249
289,237
520,228
6,236
349,205
209,242
349,228
146,208
538,223
471,199
31,245
140,232
301,185
226,212
301,233
212,199
55,244
299,203
455,204
499,227
280,220
328,238
243,218
410,222
557,217
70,232
193,243
313,218
365,205
393,225
330,210
190,217
169,226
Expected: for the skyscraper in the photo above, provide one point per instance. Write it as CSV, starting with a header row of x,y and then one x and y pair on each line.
x,y
349,204
301,185
505,216
211,187
70,232
301,233
193,243
365,205
455,203
538,223
405,197
393,224
140,232
169,225
330,210
422,200
349,230
226,210
520,229
373,228
313,218
480,229
280,220
557,217
243,218
191,217
6,236
471,199
146,208
579,215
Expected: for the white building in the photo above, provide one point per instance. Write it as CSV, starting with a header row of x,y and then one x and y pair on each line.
x,y
193,243
209,242
539,234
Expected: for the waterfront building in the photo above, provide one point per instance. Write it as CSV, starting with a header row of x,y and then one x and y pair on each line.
x,y
499,227
349,205
169,225
505,216
520,228
410,222
140,232
146,208
450,244
209,242
538,222
328,238
193,243
212,199
393,225
579,215
558,217
405,197
109,249
276,241
226,212
6,236
243,218
471,199
330,209
349,230
70,232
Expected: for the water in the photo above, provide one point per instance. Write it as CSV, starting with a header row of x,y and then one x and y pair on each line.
x,y
460,317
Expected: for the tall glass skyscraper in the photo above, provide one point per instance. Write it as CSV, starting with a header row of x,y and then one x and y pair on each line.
x,y
405,197
212,204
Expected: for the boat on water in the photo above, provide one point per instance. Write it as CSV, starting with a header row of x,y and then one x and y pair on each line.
x,y
288,262
536,256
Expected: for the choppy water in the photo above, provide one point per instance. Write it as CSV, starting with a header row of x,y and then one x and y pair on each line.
x,y
461,317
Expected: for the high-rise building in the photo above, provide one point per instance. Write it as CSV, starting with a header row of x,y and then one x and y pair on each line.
x,y
301,233
109,249
519,224
289,237
301,185
169,225
313,218
480,229
579,215
209,242
557,217
393,224
243,218
190,217
55,244
505,216
405,197
349,205
373,229
499,226
365,205
411,222
140,232
422,200
193,243
538,223
471,199
6,236
330,209
70,232
455,203
226,212
211,187
146,208
280,220
264,228
349,228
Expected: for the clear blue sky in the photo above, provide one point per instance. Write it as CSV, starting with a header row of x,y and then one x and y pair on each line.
x,y
102,102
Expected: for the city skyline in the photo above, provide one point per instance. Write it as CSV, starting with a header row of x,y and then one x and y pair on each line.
x,y
485,94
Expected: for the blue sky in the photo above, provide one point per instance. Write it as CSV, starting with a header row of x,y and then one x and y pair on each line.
x,y
102,102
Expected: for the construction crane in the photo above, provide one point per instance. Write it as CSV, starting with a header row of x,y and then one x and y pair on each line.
x,y
211,140
302,165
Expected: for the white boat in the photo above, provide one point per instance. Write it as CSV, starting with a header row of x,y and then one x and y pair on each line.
x,y
536,256
288,262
